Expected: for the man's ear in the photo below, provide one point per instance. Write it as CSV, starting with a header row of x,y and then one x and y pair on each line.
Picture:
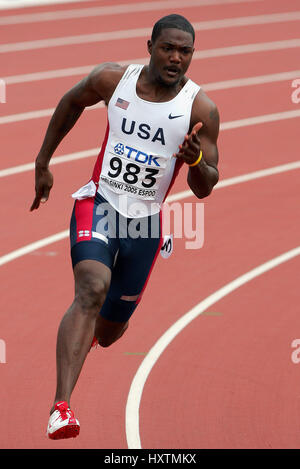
x,y
149,46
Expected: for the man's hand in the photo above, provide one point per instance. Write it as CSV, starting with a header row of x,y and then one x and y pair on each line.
x,y
43,185
190,149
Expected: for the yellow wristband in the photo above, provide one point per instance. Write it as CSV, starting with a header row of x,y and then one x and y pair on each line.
x,y
198,160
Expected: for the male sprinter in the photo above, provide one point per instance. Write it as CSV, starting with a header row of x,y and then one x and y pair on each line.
x,y
154,118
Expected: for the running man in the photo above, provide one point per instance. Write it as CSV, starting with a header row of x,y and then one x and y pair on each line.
x,y
158,120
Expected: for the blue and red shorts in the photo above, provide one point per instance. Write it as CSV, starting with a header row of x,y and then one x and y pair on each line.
x,y
128,246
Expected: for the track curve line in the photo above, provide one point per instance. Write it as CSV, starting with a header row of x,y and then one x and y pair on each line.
x,y
140,378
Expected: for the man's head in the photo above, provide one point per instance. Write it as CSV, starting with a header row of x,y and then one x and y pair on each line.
x,y
171,48
172,21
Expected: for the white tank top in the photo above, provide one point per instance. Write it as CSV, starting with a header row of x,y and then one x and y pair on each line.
x,y
135,168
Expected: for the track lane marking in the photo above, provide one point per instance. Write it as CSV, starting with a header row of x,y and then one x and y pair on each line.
x,y
178,196
108,10
39,114
140,378
33,247
94,151
9,4
218,85
78,155
128,34
24,116
251,81
240,179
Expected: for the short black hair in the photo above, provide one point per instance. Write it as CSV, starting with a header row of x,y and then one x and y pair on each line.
x,y
172,21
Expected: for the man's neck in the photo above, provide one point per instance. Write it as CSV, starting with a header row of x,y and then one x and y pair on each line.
x,y
151,88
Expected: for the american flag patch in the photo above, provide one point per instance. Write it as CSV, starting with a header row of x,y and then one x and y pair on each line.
x,y
122,103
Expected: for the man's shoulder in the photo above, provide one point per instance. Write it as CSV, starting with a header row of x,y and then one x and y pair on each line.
x,y
105,78
204,103
107,72
110,68
204,110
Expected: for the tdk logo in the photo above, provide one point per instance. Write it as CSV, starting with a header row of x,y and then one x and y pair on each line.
x,y
143,131
119,149
136,155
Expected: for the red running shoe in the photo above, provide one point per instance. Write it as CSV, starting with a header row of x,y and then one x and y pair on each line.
x,y
62,423
95,343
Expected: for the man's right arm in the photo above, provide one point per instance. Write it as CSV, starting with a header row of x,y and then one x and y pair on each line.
x,y
97,86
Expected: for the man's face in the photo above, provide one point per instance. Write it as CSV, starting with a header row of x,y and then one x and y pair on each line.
x,y
171,55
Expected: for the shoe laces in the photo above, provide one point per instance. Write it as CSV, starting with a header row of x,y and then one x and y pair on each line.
x,y
64,410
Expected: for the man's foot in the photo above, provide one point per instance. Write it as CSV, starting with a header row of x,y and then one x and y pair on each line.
x,y
62,423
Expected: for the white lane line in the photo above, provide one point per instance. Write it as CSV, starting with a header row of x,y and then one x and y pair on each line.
x,y
251,81
94,151
143,32
178,196
49,74
276,116
240,179
110,10
218,85
23,168
140,378
74,40
33,247
8,4
247,48
25,116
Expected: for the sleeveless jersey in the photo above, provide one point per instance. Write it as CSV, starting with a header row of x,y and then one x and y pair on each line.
x,y
135,168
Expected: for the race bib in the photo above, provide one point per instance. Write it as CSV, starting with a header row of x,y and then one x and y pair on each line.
x,y
128,170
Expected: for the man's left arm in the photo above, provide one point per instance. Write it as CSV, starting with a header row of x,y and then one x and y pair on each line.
x,y
199,149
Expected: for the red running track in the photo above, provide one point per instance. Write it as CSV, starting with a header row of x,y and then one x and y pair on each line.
x,y
227,380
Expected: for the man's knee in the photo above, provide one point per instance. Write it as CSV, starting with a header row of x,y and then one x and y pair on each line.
x,y
90,289
90,297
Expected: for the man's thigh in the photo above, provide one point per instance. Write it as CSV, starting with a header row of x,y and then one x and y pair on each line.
x,y
130,276
89,237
